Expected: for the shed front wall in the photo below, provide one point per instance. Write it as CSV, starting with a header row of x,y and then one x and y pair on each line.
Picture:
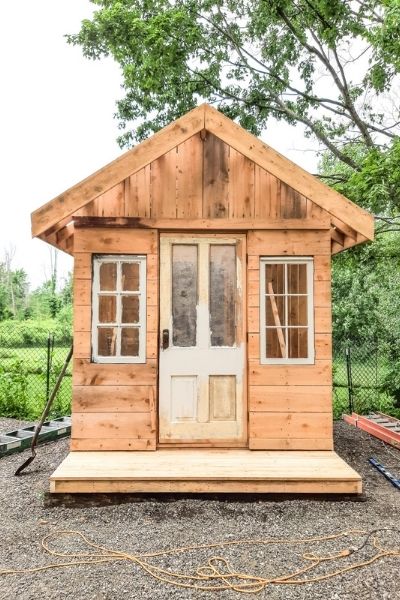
x,y
115,405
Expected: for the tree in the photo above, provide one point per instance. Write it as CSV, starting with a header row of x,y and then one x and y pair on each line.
x,y
330,65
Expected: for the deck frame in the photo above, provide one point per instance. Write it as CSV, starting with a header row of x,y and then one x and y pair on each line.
x,y
206,471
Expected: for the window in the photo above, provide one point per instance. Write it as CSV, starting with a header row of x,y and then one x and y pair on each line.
x,y
286,310
119,309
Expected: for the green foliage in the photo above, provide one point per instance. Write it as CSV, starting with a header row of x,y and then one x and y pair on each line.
x,y
254,60
13,390
32,332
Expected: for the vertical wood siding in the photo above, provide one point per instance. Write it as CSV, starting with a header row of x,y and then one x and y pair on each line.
x,y
202,178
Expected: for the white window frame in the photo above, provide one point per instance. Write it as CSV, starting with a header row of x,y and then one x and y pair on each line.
x,y
141,325
286,260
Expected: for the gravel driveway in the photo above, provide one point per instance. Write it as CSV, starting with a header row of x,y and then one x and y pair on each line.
x,y
151,524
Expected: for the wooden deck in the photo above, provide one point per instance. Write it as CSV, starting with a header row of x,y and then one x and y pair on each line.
x,y
206,470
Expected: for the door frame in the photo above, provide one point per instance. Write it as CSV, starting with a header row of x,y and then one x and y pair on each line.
x,y
241,237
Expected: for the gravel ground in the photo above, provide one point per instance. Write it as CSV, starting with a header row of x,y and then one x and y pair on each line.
x,y
152,524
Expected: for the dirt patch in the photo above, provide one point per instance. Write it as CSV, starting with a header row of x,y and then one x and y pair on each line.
x,y
151,524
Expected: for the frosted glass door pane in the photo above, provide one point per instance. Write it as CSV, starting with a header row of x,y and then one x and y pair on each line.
x,y
222,295
184,294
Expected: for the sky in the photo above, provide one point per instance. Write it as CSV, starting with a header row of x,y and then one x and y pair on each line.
x,y
57,125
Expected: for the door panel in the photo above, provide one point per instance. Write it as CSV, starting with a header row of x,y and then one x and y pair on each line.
x,y
202,356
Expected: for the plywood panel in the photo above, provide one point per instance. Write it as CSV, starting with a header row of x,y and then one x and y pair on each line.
x,y
241,185
137,194
291,243
87,373
318,374
111,425
215,178
189,185
290,399
281,425
163,185
115,241
111,398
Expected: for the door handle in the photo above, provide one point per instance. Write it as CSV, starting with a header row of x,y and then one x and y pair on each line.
x,y
165,339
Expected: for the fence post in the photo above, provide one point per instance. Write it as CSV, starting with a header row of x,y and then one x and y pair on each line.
x,y
349,379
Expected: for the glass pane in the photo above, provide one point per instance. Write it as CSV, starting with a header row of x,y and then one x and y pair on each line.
x,y
297,309
108,277
184,294
107,341
130,309
107,309
275,310
297,279
222,295
130,341
130,277
275,341
274,279
298,343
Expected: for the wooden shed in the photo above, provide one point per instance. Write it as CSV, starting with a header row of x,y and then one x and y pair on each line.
x,y
202,316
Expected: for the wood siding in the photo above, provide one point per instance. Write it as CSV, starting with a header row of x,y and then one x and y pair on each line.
x,y
203,177
290,406
114,405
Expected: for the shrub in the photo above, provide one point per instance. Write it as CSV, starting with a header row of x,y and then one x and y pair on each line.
x,y
14,390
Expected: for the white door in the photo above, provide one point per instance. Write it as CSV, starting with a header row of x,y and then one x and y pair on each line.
x,y
202,354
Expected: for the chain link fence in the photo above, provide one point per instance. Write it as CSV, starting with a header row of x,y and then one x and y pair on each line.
x,y
360,377
31,359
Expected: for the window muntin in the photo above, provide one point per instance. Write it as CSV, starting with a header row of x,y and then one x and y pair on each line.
x,y
286,310
119,309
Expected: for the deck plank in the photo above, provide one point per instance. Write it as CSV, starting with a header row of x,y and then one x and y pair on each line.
x,y
239,470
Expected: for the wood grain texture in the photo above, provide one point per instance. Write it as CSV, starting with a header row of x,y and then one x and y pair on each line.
x,y
87,373
279,425
113,173
111,398
291,243
189,183
291,398
115,241
288,172
111,425
318,374
163,185
215,178
291,444
204,471
113,444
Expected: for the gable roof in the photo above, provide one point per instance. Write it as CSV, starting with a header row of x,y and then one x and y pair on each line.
x,y
60,210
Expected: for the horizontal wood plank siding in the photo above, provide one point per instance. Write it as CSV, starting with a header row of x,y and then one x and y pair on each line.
x,y
290,406
113,405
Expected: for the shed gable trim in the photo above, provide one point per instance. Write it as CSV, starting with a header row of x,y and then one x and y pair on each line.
x,y
287,171
102,180
61,208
